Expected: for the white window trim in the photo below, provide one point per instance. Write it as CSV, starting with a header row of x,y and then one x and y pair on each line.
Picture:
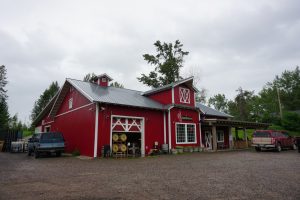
x,y
181,98
49,126
70,103
103,80
186,133
220,132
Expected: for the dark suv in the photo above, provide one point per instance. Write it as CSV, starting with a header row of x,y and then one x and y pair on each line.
x,y
49,142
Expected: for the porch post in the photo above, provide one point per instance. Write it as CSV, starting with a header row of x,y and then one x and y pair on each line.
x,y
245,136
214,135
230,138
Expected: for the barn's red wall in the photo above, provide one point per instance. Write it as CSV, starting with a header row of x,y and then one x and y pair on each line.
x,y
177,97
78,127
176,119
154,124
164,97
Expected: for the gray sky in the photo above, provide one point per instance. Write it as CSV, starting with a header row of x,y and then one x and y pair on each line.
x,y
231,43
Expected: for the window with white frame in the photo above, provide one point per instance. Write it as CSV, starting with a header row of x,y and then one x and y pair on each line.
x,y
220,136
103,80
185,133
184,95
70,103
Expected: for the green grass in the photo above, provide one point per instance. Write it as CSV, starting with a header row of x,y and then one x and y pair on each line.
x,y
27,133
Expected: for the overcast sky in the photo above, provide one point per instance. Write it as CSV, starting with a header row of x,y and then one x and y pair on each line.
x,y
231,43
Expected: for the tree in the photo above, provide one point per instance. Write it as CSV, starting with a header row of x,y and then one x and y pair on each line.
x,y
116,84
4,114
167,62
44,99
201,96
219,102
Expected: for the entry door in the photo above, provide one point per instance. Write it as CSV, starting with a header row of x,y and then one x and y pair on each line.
x,y
208,144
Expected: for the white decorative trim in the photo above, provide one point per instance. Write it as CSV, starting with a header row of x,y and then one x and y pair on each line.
x,y
173,101
96,130
165,132
184,95
169,123
195,128
49,126
74,109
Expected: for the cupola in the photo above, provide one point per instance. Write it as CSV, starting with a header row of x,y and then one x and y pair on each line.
x,y
103,80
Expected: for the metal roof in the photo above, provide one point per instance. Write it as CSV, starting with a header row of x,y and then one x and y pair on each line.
x,y
114,95
165,87
210,111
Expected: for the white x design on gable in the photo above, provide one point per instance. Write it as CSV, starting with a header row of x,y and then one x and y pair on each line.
x,y
184,95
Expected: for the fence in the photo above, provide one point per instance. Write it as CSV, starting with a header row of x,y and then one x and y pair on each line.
x,y
8,136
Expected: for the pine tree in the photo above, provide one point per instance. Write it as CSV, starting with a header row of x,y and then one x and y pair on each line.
x,y
4,115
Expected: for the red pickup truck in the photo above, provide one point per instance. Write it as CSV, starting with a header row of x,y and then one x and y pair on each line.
x,y
271,139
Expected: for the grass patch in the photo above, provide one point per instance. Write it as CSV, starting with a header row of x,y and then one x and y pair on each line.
x,y
27,133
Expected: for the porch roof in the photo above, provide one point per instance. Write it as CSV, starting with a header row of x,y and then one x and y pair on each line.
x,y
235,123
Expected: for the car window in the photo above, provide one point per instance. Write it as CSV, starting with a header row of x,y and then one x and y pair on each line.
x,y
51,137
261,134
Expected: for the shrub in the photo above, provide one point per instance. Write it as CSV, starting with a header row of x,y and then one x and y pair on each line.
x,y
291,121
76,152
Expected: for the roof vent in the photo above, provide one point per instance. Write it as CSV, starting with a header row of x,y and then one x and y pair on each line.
x,y
103,80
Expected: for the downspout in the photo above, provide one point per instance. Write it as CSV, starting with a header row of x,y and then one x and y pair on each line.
x,y
169,127
165,131
200,130
96,131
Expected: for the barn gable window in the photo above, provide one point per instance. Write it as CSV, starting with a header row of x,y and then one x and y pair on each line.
x,y
70,103
184,95
103,80
185,133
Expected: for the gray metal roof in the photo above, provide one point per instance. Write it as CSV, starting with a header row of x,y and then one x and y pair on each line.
x,y
165,87
114,95
210,111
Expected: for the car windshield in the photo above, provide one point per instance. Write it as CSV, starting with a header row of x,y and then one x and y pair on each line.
x,y
261,134
51,137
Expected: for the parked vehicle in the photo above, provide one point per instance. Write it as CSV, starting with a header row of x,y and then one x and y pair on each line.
x,y
271,139
49,142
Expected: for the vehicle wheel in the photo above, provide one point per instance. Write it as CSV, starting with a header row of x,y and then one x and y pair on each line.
x,y
36,154
278,147
58,154
294,147
257,148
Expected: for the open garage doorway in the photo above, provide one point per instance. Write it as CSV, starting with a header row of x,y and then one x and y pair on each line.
x,y
127,136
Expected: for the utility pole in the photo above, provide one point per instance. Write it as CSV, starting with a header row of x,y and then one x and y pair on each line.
x,y
280,109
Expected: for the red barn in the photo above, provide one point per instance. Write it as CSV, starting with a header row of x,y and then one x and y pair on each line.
x,y
94,115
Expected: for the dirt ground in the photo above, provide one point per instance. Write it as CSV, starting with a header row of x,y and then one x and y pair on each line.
x,y
222,175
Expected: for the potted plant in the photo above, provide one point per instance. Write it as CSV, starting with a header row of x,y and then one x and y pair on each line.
x,y
179,149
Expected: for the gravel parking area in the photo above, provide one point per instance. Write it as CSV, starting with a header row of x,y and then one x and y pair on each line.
x,y
222,175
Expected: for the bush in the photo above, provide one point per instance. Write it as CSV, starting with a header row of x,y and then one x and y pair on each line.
x,y
76,152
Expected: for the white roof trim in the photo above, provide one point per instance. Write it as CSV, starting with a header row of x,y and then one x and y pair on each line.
x,y
80,90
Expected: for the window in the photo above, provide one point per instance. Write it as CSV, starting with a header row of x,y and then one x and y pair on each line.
x,y
220,136
184,95
185,133
47,128
70,103
103,80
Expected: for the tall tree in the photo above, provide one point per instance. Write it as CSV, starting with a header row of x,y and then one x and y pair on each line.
x,y
201,96
219,102
167,62
116,84
44,99
4,114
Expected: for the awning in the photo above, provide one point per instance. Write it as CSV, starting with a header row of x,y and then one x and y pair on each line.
x,y
235,123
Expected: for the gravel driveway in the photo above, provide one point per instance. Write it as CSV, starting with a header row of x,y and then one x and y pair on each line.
x,y
222,175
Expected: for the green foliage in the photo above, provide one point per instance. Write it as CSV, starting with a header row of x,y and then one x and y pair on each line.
x,y
3,82
219,102
89,77
116,84
201,96
27,133
44,99
167,62
76,152
291,121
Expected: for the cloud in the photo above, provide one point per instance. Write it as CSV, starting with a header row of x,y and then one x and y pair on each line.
x,y
231,43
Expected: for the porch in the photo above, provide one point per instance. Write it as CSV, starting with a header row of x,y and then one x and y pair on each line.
x,y
217,133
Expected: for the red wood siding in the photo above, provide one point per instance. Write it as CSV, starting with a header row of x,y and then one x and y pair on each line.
x,y
154,124
174,119
177,96
164,97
